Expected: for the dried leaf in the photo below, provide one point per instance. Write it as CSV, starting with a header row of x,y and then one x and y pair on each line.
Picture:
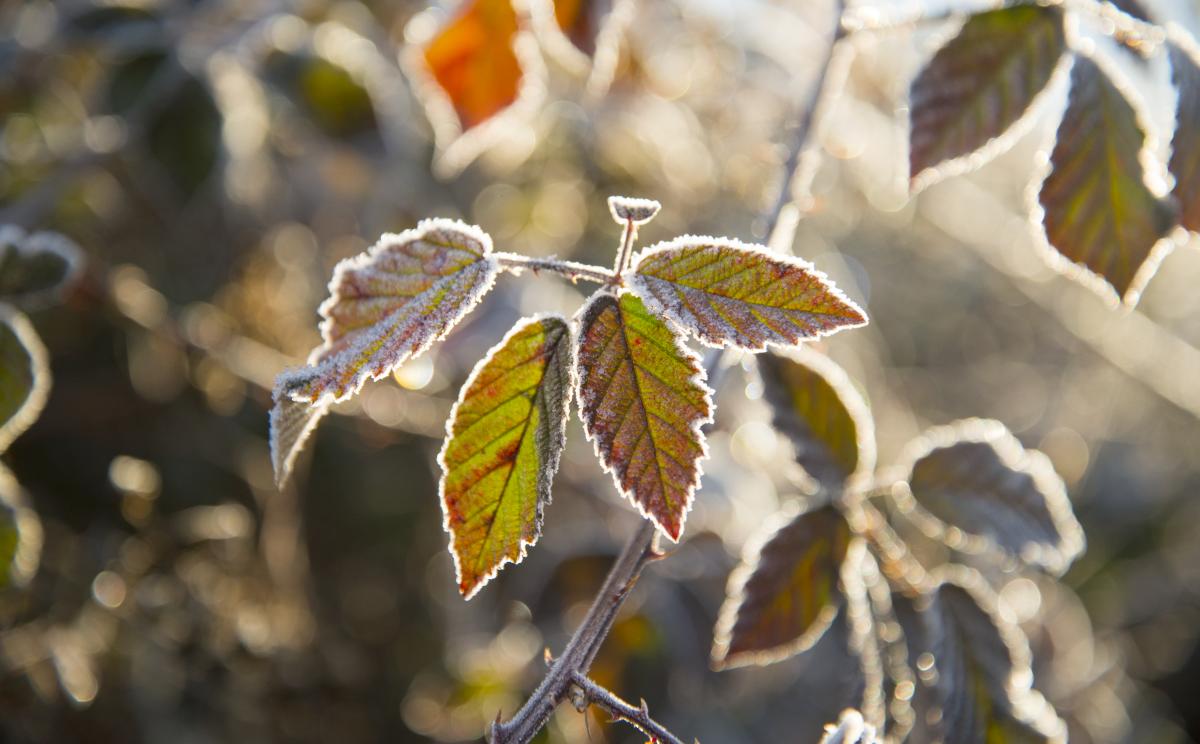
x,y
503,443
1098,213
729,293
972,668
20,534
24,375
814,403
980,84
643,400
391,303
1185,146
785,593
35,269
473,61
974,486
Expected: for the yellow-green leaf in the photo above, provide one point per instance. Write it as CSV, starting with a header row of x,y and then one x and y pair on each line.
x,y
729,293
503,443
391,303
1098,213
24,375
982,82
1185,146
643,400
815,405
785,593
974,486
35,269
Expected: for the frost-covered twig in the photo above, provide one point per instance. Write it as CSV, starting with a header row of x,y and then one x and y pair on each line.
x,y
621,710
570,269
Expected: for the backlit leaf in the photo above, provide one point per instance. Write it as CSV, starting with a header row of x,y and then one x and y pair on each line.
x,y
35,269
503,443
785,593
24,375
292,422
20,534
982,82
972,669
974,486
1185,146
729,293
391,303
815,405
642,399
1098,213
473,62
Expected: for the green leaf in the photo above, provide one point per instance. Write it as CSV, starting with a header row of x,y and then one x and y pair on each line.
x,y
24,375
1185,146
1098,213
785,593
35,269
981,83
502,448
643,400
820,411
391,303
973,485
728,293
20,534
972,668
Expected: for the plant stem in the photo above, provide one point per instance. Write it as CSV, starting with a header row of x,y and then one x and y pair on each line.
x,y
620,710
570,269
581,650
627,238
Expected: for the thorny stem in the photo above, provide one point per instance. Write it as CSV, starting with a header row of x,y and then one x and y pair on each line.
x,y
581,650
570,269
620,710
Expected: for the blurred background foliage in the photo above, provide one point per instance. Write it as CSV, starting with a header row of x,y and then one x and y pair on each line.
x,y
215,159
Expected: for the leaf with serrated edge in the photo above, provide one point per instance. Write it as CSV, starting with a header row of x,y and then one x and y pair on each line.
x,y
728,293
785,593
972,485
35,269
974,668
1101,223
980,86
643,400
816,406
391,303
502,448
24,375
1185,145
20,533
292,423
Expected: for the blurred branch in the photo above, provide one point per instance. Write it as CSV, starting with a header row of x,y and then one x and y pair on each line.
x,y
620,710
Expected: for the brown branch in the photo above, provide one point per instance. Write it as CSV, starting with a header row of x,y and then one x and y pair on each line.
x,y
620,710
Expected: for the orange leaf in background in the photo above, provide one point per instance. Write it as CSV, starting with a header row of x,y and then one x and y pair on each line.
x,y
473,61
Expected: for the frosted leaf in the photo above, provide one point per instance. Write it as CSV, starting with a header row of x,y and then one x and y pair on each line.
x,y
24,375
36,268
974,486
625,208
728,293
391,303
643,400
502,448
292,423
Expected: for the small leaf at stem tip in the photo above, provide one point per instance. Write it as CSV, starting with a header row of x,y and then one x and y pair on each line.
x,y
1185,145
502,448
820,411
627,208
24,375
1099,216
643,399
36,269
391,303
982,83
785,592
972,485
973,668
728,293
